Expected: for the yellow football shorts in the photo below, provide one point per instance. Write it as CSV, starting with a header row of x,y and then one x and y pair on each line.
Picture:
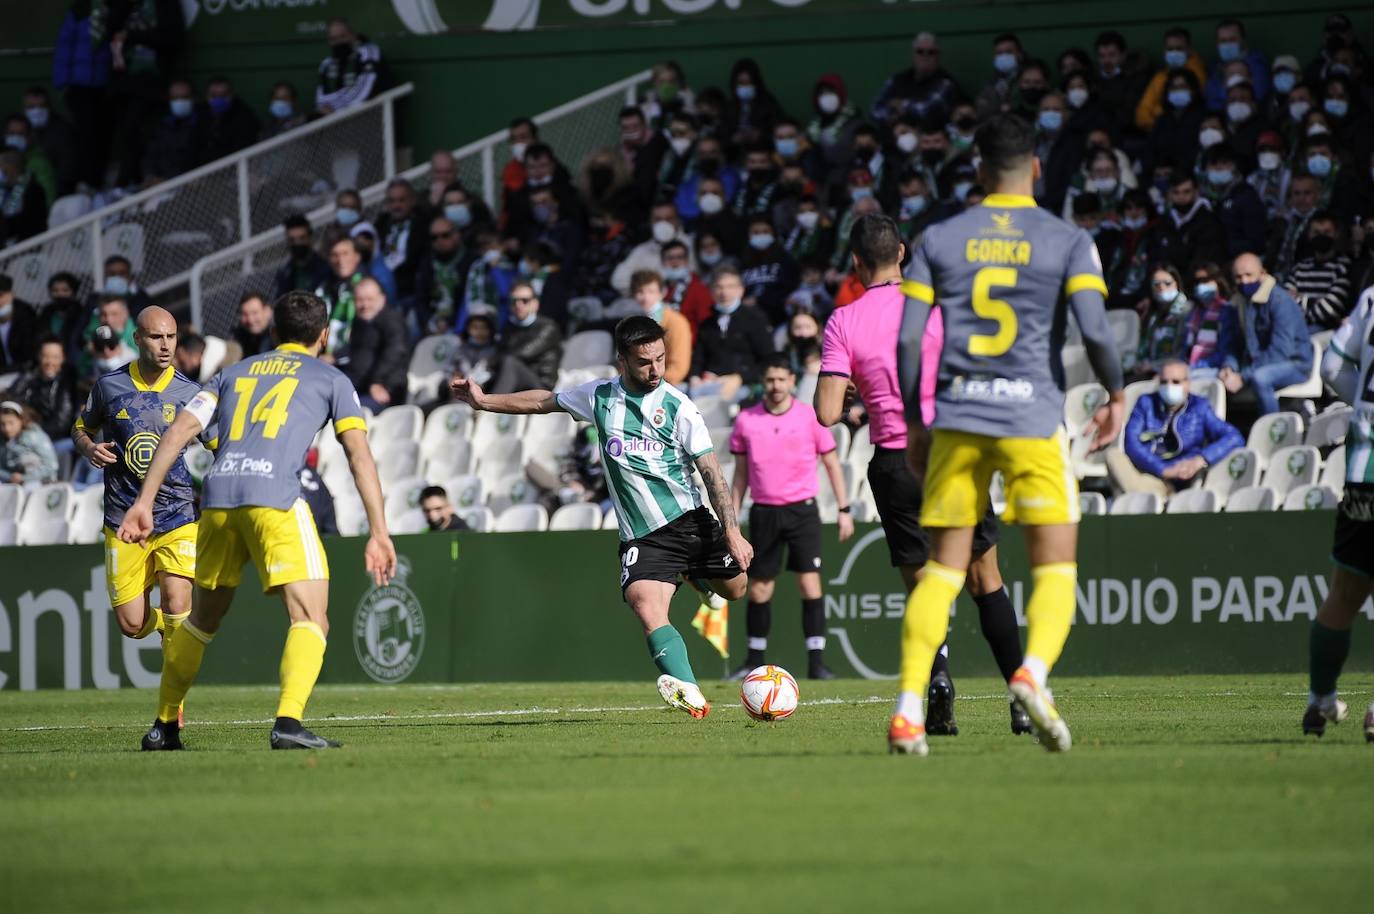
x,y
1037,475
132,568
284,546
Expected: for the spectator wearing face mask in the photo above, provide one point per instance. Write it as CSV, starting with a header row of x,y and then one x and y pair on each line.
x,y
304,267
683,289
522,134
1244,123
1031,85
476,353
283,113
81,72
1338,186
668,95
1285,76
64,314
604,183
761,188
769,273
465,209
110,324
174,147
145,39
1087,214
803,350
1055,147
50,389
441,278
1171,438
108,351
665,226
37,164
541,266
552,226
922,90
862,201
1237,205
807,235
403,229
1271,177
707,164
1321,281
489,279
680,150
995,96
18,330
1127,279
23,205
1347,108
811,296
733,344
646,287
120,283
542,171
348,208
1277,351
352,71
1188,230
609,242
364,235
1100,177
1232,46
751,110
1163,332
1178,55
717,219
831,131
229,124
1213,331
27,456
1175,134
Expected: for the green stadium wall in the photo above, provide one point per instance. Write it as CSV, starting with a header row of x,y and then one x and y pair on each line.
x,y
471,81
1158,595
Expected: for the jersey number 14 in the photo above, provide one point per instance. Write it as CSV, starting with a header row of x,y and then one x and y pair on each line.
x,y
269,410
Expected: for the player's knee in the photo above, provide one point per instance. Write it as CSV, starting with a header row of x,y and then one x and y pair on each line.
x,y
129,626
734,588
809,585
760,591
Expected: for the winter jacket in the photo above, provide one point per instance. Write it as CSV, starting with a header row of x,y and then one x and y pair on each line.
x,y
311,274
1180,240
379,353
1275,329
741,348
54,399
1215,89
31,454
1156,439
1154,98
539,346
76,59
1241,213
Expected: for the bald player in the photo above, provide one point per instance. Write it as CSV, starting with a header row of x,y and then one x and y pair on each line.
x,y
133,406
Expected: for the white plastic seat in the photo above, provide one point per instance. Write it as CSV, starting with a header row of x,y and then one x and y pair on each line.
x,y
403,498
1311,498
403,422
126,240
865,509
610,520
397,460
30,275
409,522
579,516
1080,402
1133,392
1125,327
997,493
1312,387
495,426
1077,369
349,515
47,503
1193,501
9,532
590,347
1137,503
1237,470
1214,391
212,358
11,500
1092,503
512,489
464,491
547,452
68,209
498,459
1328,429
445,459
478,519
1273,432
447,422
44,533
861,448
1291,468
522,518
552,425
720,441
715,412
87,520
429,367
843,438
1333,470
1252,498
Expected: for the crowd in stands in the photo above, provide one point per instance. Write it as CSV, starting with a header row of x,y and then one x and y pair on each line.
x,y
132,120
1229,190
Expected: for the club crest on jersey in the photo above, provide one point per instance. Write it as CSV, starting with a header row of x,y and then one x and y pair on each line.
x,y
169,412
659,417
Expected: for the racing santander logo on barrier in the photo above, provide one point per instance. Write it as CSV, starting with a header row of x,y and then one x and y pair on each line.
x,y
389,629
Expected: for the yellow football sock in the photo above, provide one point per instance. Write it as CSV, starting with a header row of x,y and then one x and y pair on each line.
x,y
926,623
172,621
182,652
1049,614
152,622
301,660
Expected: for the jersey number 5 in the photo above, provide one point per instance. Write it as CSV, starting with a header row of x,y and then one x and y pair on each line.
x,y
993,309
270,409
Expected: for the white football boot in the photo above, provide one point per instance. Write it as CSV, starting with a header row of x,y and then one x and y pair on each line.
x,y
683,696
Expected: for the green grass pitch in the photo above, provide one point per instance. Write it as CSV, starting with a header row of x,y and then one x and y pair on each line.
x,y
1181,794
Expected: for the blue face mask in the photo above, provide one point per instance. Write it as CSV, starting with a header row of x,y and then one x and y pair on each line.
x,y
859,193
745,93
1336,107
1205,291
1051,120
1284,81
961,190
525,321
760,242
219,104
1180,98
676,274
728,308
1229,51
1319,165
1176,59
459,214
1220,176
787,148
913,207
1004,63
116,285
346,216
181,107
281,109
1250,288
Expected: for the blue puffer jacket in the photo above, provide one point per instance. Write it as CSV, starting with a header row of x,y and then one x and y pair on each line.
x,y
75,60
1156,439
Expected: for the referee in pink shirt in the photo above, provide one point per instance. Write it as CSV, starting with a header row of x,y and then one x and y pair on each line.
x,y
776,443
861,346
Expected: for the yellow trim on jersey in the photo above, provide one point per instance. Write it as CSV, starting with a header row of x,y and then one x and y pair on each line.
x,y
294,347
212,444
1085,282
918,290
157,386
348,423
80,426
1009,201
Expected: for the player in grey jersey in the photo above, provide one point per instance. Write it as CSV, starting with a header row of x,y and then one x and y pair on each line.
x,y
651,436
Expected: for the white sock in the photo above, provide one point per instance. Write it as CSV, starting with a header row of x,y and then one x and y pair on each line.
x,y
758,644
909,706
1321,700
815,643
944,650
1037,668
716,601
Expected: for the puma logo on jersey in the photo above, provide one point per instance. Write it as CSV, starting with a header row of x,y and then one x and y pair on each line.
x,y
122,414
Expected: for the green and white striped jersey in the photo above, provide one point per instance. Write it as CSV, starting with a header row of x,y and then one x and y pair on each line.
x,y
1354,342
648,445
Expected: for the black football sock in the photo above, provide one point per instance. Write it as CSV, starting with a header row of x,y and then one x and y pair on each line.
x,y
941,664
758,620
998,621
813,627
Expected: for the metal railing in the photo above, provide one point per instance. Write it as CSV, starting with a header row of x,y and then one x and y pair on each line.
x,y
165,229
572,129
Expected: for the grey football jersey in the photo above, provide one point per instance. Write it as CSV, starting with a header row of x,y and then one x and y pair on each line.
x,y
1003,275
266,411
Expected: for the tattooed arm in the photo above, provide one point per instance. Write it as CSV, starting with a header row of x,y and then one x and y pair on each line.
x,y
718,491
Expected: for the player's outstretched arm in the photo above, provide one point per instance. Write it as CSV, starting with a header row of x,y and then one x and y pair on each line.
x,y
138,520
523,403
379,555
718,491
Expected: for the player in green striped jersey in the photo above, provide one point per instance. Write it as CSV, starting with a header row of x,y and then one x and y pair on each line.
x,y
651,435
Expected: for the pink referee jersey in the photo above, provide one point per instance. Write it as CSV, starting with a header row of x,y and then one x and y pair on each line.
x,y
781,451
861,344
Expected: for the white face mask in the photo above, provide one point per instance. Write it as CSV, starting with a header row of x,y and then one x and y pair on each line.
x,y
1270,161
664,231
517,151
680,145
828,102
1172,394
711,204
1210,137
808,219
907,142
1078,97
1102,185
1239,111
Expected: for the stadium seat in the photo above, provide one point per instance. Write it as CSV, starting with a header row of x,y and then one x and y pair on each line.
x,y
1311,498
212,358
1137,503
442,458
1310,389
500,458
1092,503
1077,369
715,412
1193,501
590,347
1238,470
552,425
11,500
861,448
87,520
464,491
397,460
720,441
478,519
621,308
45,504
1214,391
448,424
1133,392
1080,402
45,533
68,209
1333,470
1252,498
349,515
513,489
1328,428
30,275
1086,463
1274,431
1125,327
586,308
580,516
429,367
843,438
329,450
547,452
1291,468
522,518
403,498
490,427
409,522
604,372
403,422
573,377
126,240
609,520
1073,334
9,532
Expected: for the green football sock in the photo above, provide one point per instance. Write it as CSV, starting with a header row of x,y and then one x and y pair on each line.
x,y
1327,650
669,653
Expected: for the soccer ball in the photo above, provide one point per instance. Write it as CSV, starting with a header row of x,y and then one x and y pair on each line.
x,y
769,693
